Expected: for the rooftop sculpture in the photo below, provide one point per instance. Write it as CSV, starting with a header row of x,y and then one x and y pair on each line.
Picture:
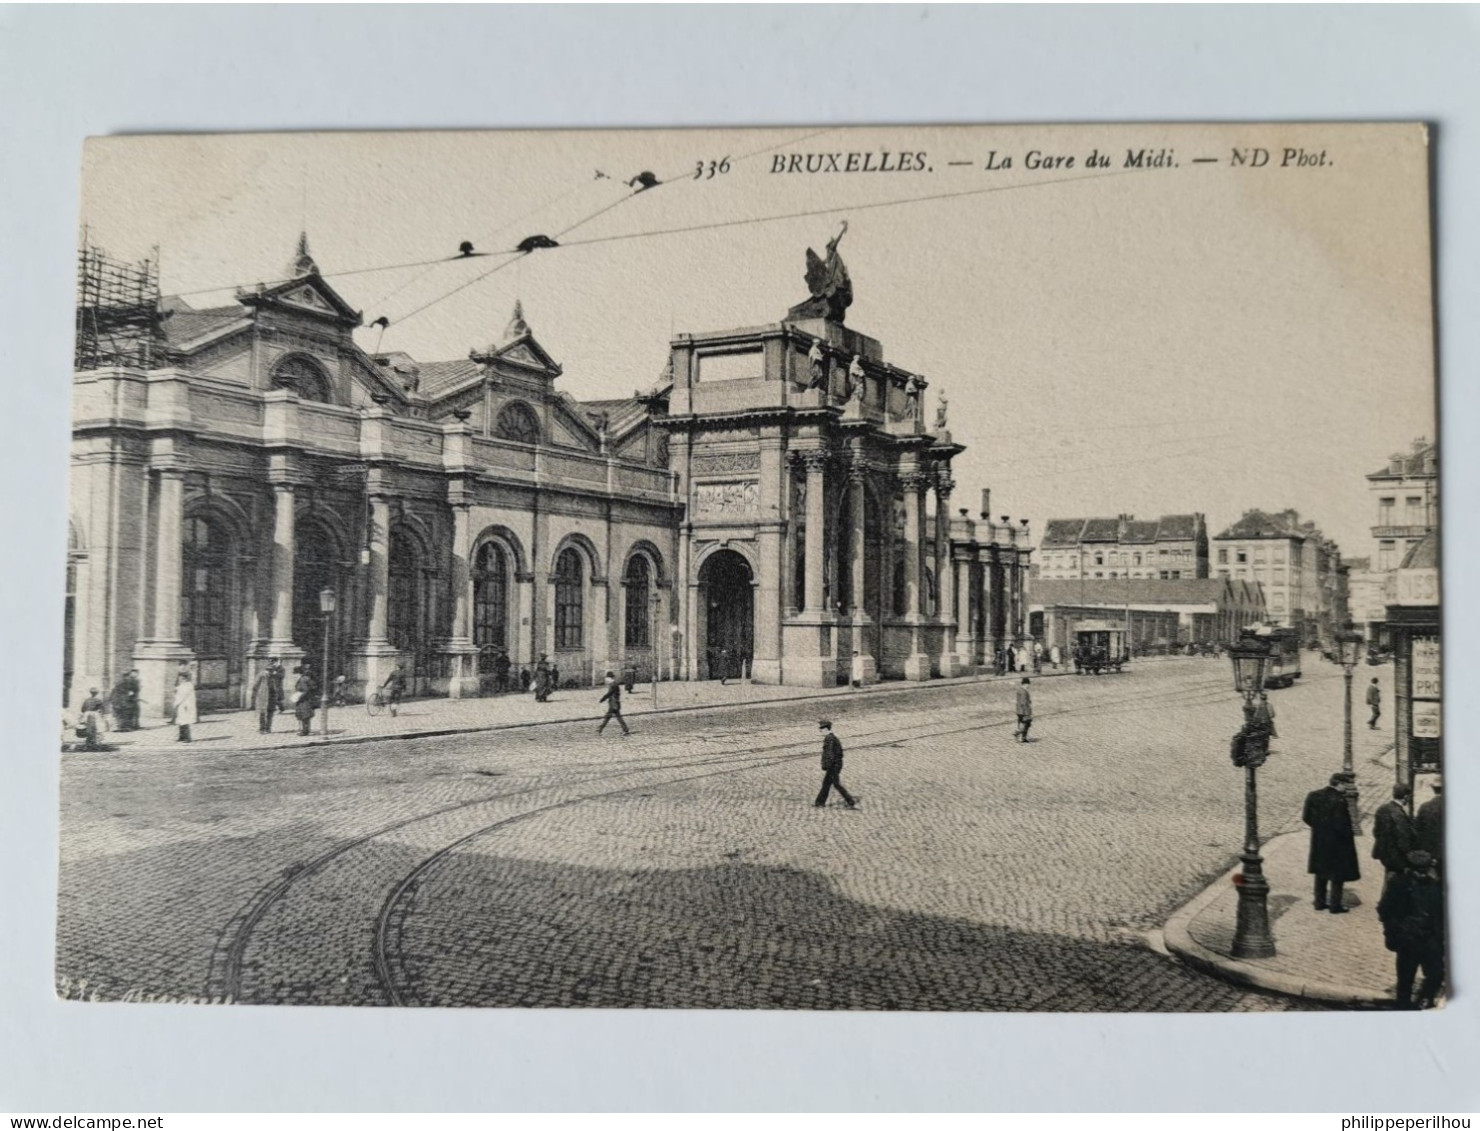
x,y
827,280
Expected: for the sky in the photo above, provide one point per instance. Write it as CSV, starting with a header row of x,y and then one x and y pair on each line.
x,y
1190,337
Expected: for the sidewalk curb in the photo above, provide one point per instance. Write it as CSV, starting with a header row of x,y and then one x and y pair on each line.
x,y
1180,942
893,686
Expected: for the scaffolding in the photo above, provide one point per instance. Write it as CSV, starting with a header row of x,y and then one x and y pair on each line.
x,y
119,318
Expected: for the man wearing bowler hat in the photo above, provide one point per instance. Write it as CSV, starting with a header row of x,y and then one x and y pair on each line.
x,y
832,767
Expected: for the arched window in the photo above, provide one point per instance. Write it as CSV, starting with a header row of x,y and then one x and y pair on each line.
x,y
639,594
569,601
203,598
303,377
517,422
490,604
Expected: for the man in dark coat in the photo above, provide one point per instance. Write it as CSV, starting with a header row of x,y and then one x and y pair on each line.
x,y
1393,835
832,767
126,701
542,679
262,700
306,701
1374,700
501,672
1333,847
613,701
1428,823
1412,914
1024,711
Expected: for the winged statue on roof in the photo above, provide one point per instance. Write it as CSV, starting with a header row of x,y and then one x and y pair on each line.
x,y
827,280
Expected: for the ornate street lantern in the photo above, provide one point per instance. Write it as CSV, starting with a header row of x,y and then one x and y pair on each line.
x,y
1250,656
328,599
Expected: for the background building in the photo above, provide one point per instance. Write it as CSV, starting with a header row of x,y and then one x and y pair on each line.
x,y
1172,547
1298,568
1156,613
1405,500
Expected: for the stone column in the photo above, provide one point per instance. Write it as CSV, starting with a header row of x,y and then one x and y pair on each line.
x,y
380,564
770,584
373,655
282,567
160,656
945,579
462,673
858,504
917,665
169,543
816,549
808,638
965,614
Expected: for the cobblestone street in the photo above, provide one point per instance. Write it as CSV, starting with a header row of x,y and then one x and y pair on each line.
x,y
685,866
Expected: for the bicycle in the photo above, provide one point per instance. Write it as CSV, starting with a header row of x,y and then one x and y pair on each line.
x,y
375,702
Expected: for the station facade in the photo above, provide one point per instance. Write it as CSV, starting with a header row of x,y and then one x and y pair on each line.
x,y
773,507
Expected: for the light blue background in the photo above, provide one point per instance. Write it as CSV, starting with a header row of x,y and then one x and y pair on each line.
x,y
66,73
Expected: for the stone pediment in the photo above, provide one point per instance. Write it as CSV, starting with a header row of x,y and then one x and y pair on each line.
x,y
308,294
525,353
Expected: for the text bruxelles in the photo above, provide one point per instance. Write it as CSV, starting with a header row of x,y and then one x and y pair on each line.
x,y
881,161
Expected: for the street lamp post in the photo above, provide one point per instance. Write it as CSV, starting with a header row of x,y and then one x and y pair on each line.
x,y
327,602
1251,937
1349,645
653,635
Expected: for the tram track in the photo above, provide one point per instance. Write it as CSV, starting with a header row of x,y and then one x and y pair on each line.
x,y
225,977
395,909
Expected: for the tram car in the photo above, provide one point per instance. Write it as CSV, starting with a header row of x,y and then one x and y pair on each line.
x,y
1284,642
1100,646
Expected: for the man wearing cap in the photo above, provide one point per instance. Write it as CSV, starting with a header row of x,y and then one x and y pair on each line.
x,y
1374,700
832,767
1333,847
1412,914
1024,711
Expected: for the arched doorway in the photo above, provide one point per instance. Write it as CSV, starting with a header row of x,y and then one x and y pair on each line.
x,y
317,565
407,611
729,605
207,603
490,605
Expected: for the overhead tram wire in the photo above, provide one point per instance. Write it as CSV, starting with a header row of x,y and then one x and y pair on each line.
x,y
718,224
350,272
429,268
708,226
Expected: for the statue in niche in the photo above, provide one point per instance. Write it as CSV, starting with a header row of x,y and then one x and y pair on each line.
x,y
940,411
817,366
827,280
857,382
912,391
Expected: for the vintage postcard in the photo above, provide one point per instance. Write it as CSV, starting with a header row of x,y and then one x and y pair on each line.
x,y
972,568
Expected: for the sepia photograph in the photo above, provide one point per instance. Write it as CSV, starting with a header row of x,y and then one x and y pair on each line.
x,y
908,568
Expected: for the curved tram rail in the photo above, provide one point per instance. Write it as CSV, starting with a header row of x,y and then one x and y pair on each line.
x,y
225,979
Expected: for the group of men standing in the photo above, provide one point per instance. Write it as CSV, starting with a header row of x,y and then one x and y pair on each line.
x,y
268,696
1410,849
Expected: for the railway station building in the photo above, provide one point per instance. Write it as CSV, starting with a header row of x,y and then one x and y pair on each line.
x,y
774,506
